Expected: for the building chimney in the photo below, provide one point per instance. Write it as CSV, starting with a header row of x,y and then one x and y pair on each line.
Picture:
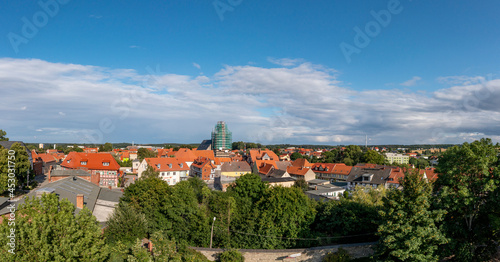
x,y
79,201
150,246
315,187
48,176
95,178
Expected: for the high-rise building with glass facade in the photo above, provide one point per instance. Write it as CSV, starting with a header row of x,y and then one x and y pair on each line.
x,y
222,138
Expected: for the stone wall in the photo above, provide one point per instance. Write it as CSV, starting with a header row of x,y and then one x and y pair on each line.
x,y
306,254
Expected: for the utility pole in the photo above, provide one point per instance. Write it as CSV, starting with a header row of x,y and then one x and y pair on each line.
x,y
212,234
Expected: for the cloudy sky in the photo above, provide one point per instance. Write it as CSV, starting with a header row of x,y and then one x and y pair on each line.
x,y
322,72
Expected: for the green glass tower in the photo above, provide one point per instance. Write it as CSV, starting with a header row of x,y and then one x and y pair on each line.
x,y
222,138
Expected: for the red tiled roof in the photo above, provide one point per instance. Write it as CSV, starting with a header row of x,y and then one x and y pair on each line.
x,y
257,154
95,161
328,167
167,164
47,158
205,153
342,169
301,162
185,154
266,168
298,171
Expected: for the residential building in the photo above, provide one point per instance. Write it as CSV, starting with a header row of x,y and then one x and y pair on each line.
x,y
102,164
301,173
171,170
203,168
80,192
235,169
325,192
368,176
397,158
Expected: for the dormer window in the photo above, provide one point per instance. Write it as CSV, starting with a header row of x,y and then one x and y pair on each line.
x,y
169,165
105,163
68,161
181,165
83,163
158,165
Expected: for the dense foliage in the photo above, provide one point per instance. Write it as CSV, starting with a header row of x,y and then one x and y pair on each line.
x,y
14,161
231,255
408,230
467,188
46,229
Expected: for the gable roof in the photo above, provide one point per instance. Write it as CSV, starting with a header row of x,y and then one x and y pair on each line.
x,y
377,175
165,164
205,145
205,153
185,154
301,162
258,154
298,171
70,187
239,166
95,161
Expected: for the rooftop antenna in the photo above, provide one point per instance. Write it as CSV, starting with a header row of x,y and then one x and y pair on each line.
x,y
366,141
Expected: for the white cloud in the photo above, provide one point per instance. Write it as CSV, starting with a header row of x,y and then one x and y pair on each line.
x,y
196,65
305,103
285,61
412,82
461,80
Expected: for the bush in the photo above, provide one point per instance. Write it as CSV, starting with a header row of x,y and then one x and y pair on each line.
x,y
231,255
340,256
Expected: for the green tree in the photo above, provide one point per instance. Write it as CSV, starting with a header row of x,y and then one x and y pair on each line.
x,y
145,153
174,210
46,229
107,147
4,170
373,157
231,255
352,155
295,155
368,195
2,136
75,148
408,230
468,175
284,212
18,157
150,172
126,225
301,184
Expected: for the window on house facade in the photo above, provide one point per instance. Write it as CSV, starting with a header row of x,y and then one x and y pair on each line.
x,y
83,163
105,163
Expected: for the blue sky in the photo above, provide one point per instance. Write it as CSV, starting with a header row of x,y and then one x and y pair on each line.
x,y
167,71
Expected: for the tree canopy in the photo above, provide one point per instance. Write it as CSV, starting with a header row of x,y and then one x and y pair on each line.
x,y
408,230
46,229
3,136
468,177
